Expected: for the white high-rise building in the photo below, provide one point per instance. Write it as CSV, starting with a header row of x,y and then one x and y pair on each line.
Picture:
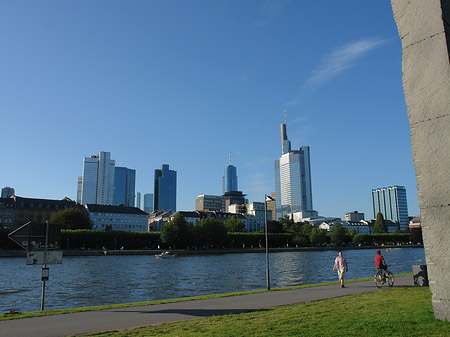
x,y
391,202
292,178
97,182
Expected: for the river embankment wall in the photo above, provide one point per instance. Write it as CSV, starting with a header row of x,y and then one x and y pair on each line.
x,y
82,252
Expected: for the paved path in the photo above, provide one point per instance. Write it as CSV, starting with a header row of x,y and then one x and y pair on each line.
x,y
122,318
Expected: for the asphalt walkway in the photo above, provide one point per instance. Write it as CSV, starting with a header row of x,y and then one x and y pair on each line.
x,y
124,318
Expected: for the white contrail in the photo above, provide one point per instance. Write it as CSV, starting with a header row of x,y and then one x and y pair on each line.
x,y
335,63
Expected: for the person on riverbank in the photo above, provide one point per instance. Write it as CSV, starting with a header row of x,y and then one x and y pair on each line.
x,y
380,263
341,265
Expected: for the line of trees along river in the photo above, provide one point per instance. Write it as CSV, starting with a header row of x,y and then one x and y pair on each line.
x,y
214,234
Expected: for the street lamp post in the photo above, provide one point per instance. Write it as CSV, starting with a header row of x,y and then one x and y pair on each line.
x,y
267,243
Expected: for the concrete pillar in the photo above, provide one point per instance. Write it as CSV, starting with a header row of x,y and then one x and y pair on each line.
x,y
423,26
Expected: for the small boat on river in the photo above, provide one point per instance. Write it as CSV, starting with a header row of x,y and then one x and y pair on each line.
x,y
164,255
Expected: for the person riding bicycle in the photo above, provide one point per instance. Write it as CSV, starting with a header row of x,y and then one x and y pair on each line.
x,y
380,264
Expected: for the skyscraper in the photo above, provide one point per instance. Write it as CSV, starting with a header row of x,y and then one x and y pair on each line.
x,y
391,202
148,202
7,192
138,200
292,178
124,186
165,195
97,181
230,180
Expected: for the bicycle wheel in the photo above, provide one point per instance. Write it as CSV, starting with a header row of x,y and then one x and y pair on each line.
x,y
377,279
390,279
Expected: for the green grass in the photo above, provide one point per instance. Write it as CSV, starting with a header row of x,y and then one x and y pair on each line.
x,y
22,315
393,312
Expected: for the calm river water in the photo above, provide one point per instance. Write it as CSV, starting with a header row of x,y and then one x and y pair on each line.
x,y
98,280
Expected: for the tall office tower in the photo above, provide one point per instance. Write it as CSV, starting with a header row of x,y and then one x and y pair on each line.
x,y
148,203
138,200
292,178
391,202
230,180
97,186
124,186
165,195
7,192
80,186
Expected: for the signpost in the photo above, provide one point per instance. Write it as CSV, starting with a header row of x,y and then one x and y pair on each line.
x,y
37,257
42,243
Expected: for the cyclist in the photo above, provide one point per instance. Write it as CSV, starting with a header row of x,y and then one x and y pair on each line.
x,y
380,264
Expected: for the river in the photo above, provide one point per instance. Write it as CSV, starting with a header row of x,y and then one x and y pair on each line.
x,y
99,280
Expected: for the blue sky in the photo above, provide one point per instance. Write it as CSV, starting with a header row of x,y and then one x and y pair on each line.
x,y
185,82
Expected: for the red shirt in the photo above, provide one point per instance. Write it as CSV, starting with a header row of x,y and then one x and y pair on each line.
x,y
379,260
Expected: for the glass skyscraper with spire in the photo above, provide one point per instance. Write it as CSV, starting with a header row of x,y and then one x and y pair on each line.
x,y
292,178
229,179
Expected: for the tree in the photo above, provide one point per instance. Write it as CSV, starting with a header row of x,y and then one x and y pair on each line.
x,y
176,233
71,218
307,228
339,234
234,225
415,236
318,236
352,233
380,226
286,222
210,233
274,227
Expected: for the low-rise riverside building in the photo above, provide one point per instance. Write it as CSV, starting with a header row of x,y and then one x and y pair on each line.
x,y
361,227
6,213
206,202
119,218
16,211
414,222
157,219
354,216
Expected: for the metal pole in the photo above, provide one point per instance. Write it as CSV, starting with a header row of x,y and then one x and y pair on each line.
x,y
45,266
267,244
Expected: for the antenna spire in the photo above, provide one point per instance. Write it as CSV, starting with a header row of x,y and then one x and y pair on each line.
x,y
229,158
284,115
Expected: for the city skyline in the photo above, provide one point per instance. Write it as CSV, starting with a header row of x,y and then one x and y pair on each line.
x,y
155,83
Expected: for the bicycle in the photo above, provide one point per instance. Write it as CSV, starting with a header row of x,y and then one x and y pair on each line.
x,y
382,277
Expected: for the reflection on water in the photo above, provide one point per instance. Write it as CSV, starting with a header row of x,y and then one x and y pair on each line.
x,y
98,280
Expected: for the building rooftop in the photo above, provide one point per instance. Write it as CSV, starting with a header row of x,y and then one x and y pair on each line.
x,y
114,209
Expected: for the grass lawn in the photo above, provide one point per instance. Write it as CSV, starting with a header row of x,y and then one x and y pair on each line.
x,y
393,312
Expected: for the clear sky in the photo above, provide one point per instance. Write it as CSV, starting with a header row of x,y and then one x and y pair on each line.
x,y
185,82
